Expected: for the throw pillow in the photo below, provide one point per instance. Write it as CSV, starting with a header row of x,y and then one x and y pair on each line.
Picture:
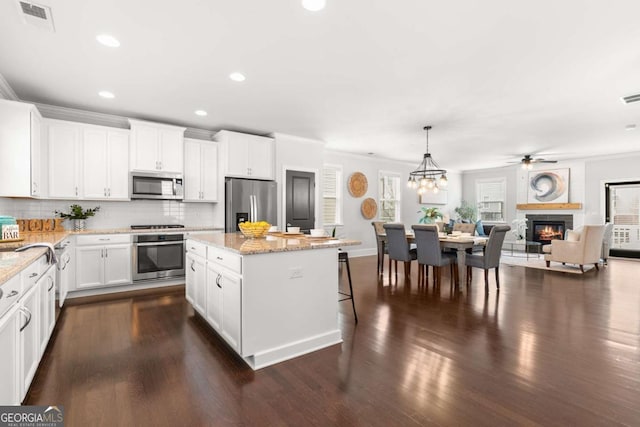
x,y
480,228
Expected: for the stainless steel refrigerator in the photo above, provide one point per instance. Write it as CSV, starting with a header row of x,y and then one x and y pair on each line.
x,y
249,200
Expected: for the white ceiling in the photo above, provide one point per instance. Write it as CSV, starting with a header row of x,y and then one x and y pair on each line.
x,y
497,79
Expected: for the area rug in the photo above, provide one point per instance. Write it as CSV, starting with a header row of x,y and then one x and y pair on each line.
x,y
539,263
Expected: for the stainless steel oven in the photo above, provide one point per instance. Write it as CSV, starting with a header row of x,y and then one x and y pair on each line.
x,y
157,256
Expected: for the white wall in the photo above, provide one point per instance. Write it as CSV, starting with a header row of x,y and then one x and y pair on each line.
x,y
118,214
355,226
295,153
586,185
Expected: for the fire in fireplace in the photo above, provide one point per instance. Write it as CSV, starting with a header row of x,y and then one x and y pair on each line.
x,y
545,232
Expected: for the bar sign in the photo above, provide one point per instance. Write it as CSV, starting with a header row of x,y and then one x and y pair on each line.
x,y
10,232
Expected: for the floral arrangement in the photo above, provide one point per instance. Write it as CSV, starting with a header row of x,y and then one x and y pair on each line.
x,y
519,228
429,215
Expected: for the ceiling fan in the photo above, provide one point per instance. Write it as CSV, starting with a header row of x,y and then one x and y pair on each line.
x,y
528,161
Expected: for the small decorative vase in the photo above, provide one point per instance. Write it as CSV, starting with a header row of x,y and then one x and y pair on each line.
x,y
79,224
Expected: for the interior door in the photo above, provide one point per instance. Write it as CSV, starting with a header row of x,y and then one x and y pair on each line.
x,y
301,193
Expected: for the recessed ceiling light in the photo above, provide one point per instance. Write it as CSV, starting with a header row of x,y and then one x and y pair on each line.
x,y
106,94
108,40
237,77
200,113
314,5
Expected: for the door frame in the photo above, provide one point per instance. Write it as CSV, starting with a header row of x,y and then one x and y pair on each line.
x,y
623,253
316,211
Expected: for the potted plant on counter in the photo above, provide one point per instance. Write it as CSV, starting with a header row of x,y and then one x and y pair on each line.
x,y
78,215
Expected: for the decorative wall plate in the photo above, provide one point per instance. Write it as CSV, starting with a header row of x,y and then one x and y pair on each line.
x,y
357,184
369,208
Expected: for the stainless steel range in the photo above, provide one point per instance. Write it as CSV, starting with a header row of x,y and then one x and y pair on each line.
x,y
158,255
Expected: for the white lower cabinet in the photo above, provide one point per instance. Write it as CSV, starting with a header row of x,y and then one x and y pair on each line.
x,y
29,330
195,280
47,289
99,265
231,329
214,288
10,357
214,296
25,329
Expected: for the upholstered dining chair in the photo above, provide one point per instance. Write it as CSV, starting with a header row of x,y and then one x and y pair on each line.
x,y
398,247
464,227
430,254
491,256
382,248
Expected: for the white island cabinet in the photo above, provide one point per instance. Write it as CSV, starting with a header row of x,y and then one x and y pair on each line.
x,y
270,299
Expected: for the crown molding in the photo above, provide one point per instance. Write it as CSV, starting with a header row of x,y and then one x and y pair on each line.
x,y
6,91
110,120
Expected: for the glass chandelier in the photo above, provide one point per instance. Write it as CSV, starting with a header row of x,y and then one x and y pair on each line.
x,y
428,176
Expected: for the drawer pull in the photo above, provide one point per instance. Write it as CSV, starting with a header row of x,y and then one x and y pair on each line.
x,y
219,258
104,239
218,280
32,275
13,294
26,312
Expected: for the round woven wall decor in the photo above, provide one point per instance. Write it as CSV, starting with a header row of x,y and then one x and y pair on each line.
x,y
369,208
357,184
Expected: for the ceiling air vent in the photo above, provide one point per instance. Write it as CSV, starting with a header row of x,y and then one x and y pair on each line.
x,y
36,14
631,98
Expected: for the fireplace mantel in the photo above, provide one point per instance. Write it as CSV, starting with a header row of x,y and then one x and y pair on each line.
x,y
547,206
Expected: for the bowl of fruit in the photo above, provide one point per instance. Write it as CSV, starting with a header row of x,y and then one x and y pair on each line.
x,y
254,230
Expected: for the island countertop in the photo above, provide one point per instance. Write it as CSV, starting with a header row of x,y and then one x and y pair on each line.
x,y
236,242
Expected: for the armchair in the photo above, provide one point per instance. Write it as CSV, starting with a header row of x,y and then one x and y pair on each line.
x,y
581,249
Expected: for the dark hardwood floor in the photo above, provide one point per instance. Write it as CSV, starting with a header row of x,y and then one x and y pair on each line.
x,y
547,349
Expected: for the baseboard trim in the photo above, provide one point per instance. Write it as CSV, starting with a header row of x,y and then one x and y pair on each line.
x,y
123,292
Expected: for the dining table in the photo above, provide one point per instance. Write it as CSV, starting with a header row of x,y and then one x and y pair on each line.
x,y
459,243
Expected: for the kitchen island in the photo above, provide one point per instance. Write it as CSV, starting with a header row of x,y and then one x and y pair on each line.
x,y
271,299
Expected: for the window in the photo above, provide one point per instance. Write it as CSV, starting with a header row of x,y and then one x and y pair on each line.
x,y
491,197
331,195
389,196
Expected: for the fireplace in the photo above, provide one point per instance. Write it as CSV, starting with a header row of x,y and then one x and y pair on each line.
x,y
545,228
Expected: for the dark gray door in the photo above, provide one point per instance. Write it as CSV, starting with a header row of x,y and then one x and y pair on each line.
x,y
301,193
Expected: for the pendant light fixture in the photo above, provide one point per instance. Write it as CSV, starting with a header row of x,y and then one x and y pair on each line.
x,y
428,176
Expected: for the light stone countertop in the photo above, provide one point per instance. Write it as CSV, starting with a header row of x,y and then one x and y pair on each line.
x,y
12,263
236,242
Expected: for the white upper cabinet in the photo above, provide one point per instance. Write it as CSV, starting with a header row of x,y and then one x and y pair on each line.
x,y
247,156
64,159
156,147
105,163
20,151
201,172
87,161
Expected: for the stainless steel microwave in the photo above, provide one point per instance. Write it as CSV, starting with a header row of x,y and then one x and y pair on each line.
x,y
157,186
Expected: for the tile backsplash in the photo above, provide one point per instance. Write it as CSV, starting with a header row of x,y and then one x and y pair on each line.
x,y
120,214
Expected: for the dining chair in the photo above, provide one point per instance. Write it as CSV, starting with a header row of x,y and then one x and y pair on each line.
x,y
490,257
382,248
398,247
430,254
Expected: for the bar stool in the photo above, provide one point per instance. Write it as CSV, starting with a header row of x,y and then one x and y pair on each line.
x,y
344,257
